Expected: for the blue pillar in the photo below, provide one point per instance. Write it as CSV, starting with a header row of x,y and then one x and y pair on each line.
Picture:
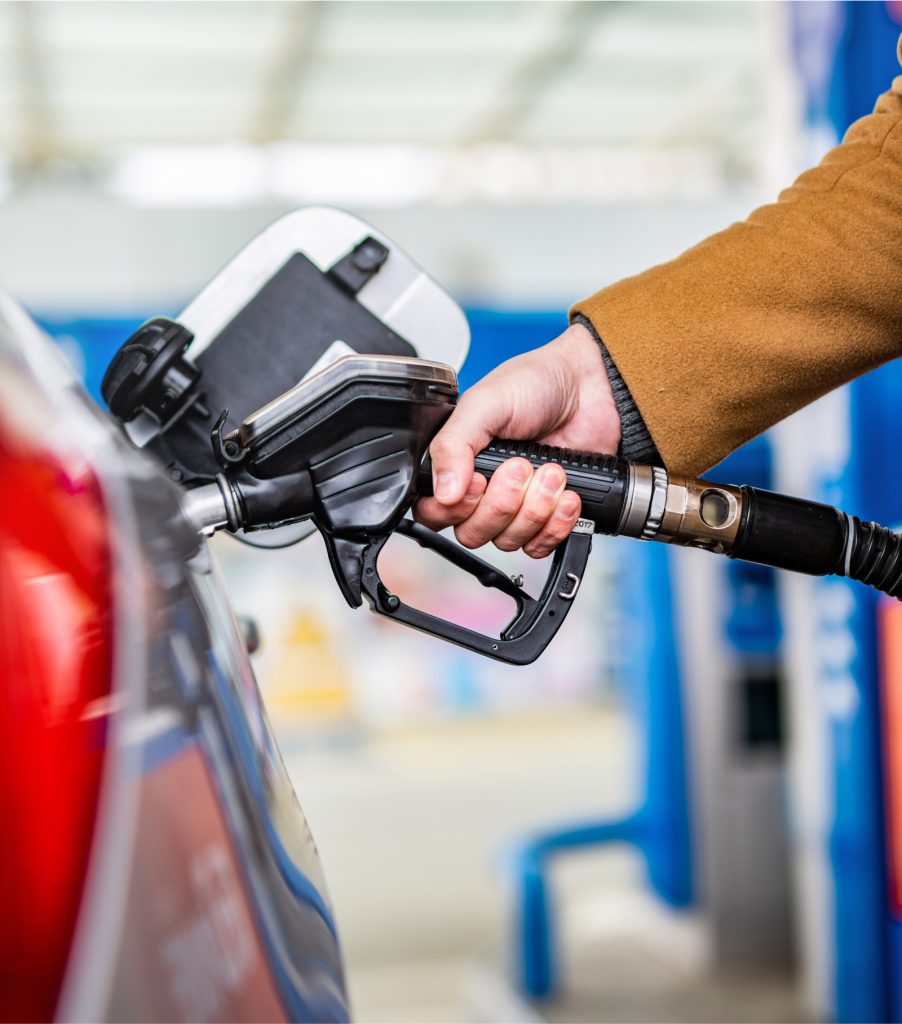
x,y
846,57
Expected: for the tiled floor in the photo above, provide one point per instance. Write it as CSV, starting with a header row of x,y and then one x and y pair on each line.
x,y
413,829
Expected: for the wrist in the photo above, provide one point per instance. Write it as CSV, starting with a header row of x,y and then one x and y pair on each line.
x,y
580,349
635,440
589,388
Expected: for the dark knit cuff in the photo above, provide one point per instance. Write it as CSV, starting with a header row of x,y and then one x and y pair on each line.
x,y
636,443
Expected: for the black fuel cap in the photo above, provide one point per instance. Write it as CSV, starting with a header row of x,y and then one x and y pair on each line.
x,y
149,373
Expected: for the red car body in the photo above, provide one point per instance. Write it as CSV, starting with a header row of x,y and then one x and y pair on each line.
x,y
155,864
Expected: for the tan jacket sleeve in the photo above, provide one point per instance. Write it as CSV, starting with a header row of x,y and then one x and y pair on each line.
x,y
766,316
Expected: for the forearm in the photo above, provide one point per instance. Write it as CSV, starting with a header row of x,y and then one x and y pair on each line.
x,y
766,316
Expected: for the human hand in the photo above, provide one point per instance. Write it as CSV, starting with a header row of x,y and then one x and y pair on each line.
x,y
558,394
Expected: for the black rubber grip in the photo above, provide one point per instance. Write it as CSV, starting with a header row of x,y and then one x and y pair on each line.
x,y
600,480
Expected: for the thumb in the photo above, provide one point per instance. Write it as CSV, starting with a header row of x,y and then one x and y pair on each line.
x,y
468,430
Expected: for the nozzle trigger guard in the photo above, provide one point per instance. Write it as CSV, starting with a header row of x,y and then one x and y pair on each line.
x,y
536,620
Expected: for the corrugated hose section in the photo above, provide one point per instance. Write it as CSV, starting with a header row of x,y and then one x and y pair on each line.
x,y
876,557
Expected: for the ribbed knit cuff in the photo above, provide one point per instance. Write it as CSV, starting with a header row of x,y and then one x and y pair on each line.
x,y
636,442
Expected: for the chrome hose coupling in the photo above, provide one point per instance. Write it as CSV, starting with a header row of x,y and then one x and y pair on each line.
x,y
679,510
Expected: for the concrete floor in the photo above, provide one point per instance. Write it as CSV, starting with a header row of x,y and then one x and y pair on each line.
x,y
413,829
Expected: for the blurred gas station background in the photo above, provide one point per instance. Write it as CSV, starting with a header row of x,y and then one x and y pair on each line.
x,y
683,810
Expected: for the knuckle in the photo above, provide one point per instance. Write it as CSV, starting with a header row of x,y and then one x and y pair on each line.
x,y
553,535
424,514
467,536
444,444
504,505
556,533
462,514
540,545
451,518
536,551
535,516
551,540
451,515
569,507
568,511
560,526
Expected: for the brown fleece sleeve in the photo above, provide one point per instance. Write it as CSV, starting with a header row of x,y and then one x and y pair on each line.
x,y
760,319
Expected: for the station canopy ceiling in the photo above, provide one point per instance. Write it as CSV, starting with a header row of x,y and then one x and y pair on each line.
x,y
87,84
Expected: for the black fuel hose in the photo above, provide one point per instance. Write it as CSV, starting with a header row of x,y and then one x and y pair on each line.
x,y
804,536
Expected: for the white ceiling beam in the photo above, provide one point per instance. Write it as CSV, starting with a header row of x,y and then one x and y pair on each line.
x,y
37,144
538,69
282,85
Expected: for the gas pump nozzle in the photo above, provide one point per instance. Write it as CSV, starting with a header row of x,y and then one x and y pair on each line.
x,y
347,449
